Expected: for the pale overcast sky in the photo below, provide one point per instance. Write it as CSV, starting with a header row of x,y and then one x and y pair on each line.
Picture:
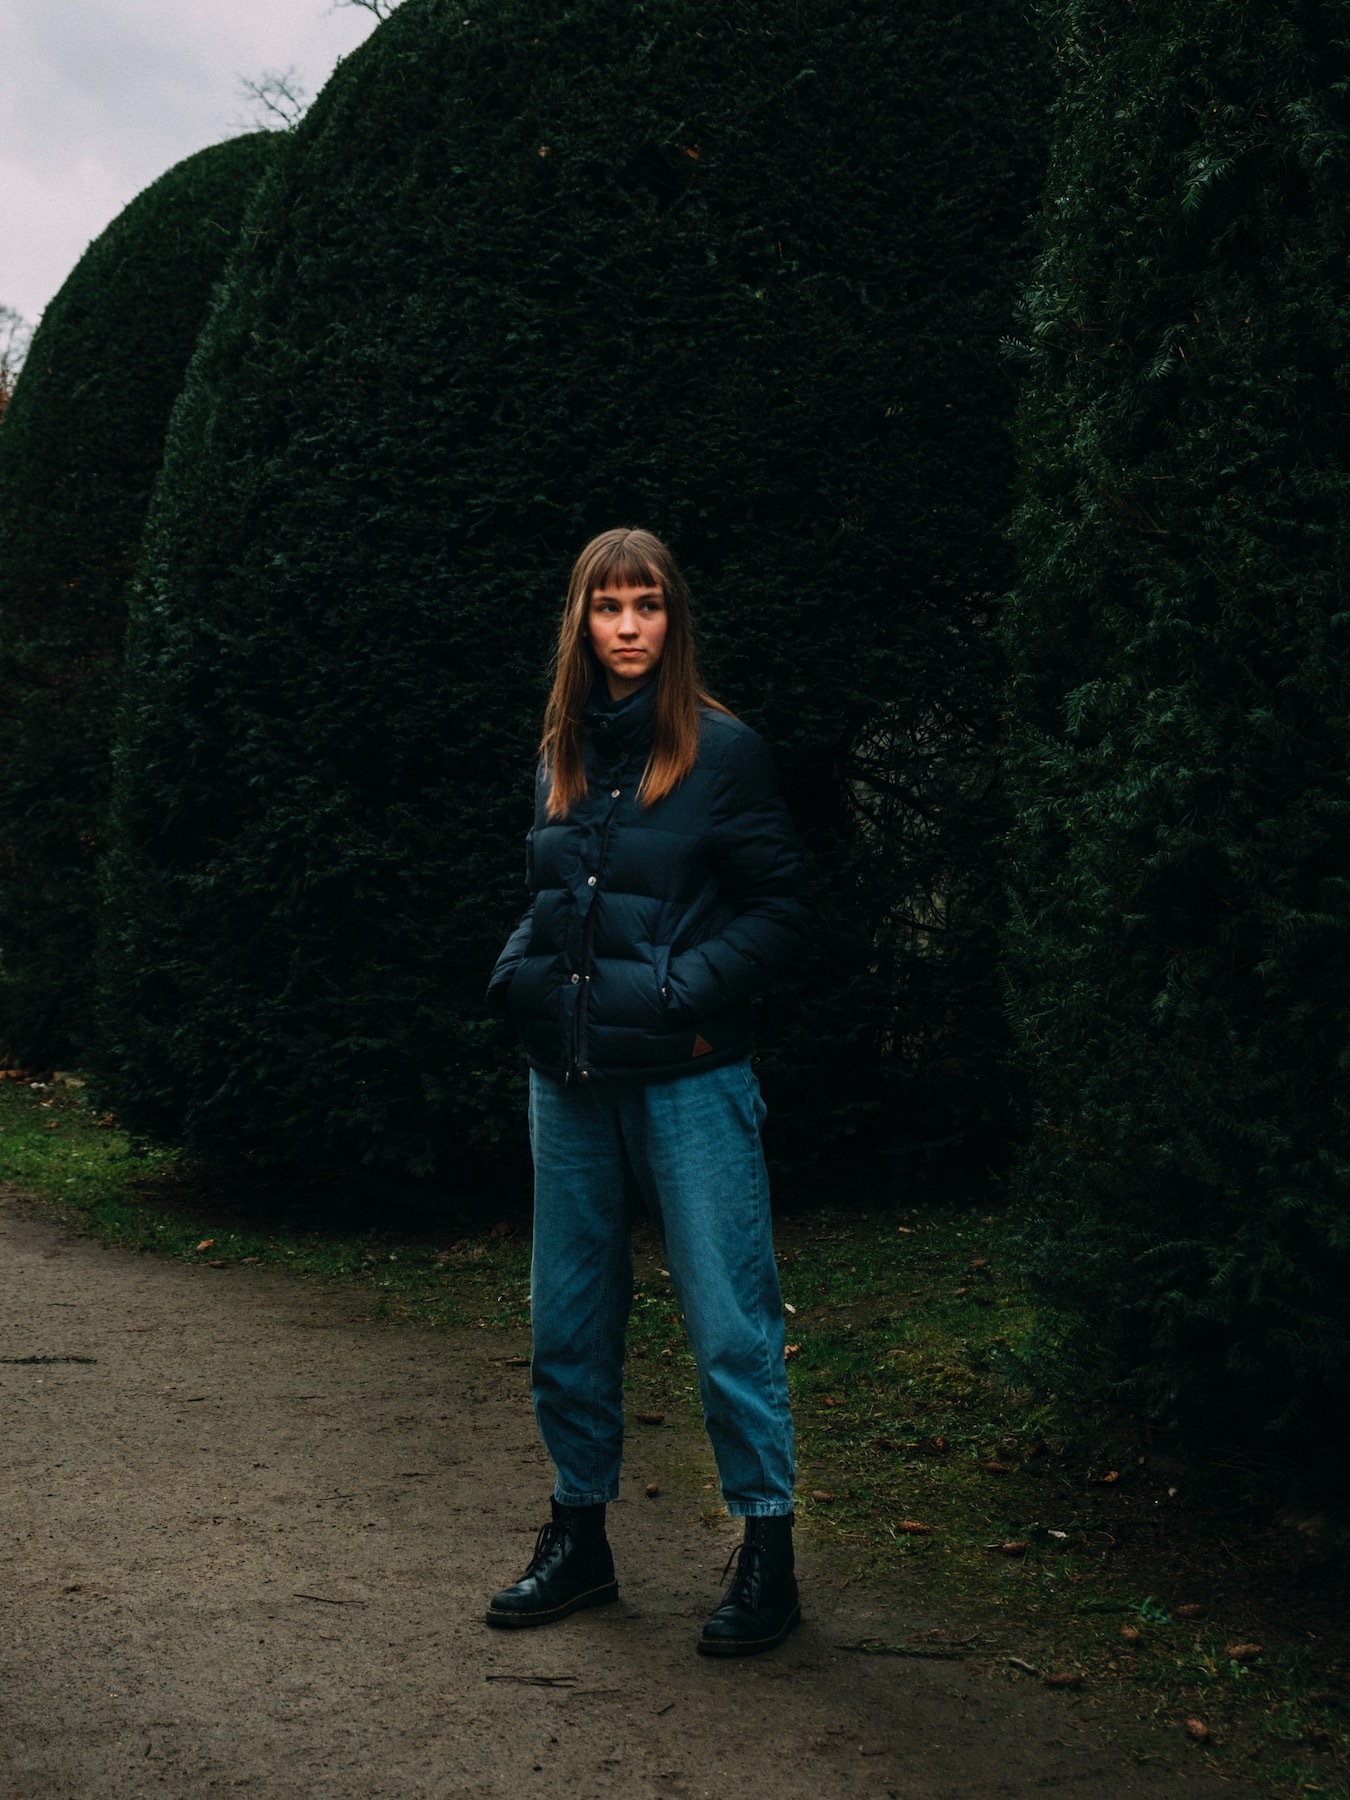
x,y
98,97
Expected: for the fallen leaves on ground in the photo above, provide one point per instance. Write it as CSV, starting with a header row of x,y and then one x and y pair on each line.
x,y
650,1418
1197,1729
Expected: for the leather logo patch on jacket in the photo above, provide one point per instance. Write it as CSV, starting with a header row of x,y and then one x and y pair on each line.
x,y
701,1046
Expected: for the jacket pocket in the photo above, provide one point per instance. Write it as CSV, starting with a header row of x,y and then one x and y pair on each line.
x,y
527,993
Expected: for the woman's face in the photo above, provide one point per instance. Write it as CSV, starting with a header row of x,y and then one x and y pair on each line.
x,y
627,629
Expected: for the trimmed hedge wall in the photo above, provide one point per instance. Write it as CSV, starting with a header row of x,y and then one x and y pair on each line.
x,y
1181,696
82,443
738,277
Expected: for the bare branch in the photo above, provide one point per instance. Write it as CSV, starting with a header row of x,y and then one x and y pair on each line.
x,y
15,335
380,8
278,100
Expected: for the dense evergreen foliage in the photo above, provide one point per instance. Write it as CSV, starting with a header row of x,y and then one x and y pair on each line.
x,y
82,442
737,276
1181,641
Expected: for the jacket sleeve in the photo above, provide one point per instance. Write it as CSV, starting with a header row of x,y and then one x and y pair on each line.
x,y
509,961
758,856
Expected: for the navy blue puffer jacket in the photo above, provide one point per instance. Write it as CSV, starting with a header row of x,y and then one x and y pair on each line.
x,y
651,927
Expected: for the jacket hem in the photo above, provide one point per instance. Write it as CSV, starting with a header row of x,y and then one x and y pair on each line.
x,y
714,1059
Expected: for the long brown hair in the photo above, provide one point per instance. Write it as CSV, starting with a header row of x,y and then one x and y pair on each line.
x,y
624,558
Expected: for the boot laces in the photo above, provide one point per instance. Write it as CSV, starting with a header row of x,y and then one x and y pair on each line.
x,y
543,1544
749,1560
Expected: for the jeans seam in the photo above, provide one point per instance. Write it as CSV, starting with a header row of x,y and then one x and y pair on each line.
x,y
600,1331
771,1387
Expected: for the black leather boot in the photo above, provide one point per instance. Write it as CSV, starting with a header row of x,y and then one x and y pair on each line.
x,y
572,1567
760,1606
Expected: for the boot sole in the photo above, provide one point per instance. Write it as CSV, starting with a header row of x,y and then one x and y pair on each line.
x,y
516,1621
749,1646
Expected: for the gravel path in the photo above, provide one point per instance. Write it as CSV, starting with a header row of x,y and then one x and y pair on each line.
x,y
247,1540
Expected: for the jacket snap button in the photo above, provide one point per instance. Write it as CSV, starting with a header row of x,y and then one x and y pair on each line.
x,y
576,978
585,1074
614,793
590,881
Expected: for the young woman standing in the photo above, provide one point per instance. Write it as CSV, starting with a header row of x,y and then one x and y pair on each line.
x,y
668,890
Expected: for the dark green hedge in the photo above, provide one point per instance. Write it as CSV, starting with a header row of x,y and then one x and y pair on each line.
x,y
82,442
1181,642
738,276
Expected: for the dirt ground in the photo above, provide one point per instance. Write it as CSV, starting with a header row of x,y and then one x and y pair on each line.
x,y
248,1539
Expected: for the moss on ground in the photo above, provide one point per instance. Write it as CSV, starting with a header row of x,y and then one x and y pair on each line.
x,y
1048,1539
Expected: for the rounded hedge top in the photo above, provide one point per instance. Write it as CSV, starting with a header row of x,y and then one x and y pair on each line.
x,y
529,273
81,445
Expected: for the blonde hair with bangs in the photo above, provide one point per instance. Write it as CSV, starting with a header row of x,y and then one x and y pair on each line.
x,y
624,558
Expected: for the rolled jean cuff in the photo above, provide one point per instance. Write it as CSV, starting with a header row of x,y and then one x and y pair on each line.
x,y
597,1497
760,1509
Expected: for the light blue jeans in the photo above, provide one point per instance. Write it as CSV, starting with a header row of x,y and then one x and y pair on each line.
x,y
690,1148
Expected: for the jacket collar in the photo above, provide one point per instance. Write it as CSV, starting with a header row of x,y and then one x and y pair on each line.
x,y
625,728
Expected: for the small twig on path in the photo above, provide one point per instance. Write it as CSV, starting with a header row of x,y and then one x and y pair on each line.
x,y
48,1359
327,1600
538,1680
943,1653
